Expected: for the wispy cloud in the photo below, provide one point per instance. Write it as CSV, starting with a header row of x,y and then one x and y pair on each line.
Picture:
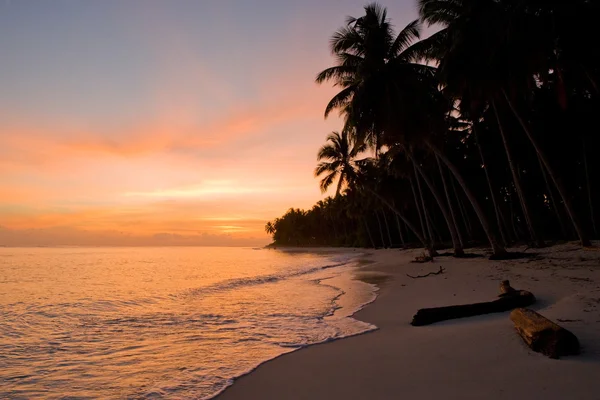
x,y
208,189
177,141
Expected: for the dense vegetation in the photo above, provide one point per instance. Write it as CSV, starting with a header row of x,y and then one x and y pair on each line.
x,y
484,132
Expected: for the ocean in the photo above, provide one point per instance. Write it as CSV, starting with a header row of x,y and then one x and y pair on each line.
x,y
163,323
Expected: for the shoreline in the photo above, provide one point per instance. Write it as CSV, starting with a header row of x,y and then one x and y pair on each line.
x,y
480,357
357,263
366,264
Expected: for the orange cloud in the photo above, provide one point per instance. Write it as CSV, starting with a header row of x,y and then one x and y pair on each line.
x,y
154,178
25,144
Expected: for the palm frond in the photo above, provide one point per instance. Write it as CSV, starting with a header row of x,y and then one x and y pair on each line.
x,y
327,152
442,12
376,11
405,38
340,100
346,39
326,167
428,49
337,73
336,139
349,60
327,181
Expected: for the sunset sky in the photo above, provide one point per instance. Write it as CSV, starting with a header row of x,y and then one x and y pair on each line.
x,y
149,122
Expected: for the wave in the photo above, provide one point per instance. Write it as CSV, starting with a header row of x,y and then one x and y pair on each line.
x,y
287,348
236,283
292,347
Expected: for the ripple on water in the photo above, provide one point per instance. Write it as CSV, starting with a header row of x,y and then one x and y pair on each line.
x,y
161,323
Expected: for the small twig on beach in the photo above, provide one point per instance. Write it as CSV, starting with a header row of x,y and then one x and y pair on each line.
x,y
441,271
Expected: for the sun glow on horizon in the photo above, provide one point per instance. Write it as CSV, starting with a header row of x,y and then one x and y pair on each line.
x,y
208,189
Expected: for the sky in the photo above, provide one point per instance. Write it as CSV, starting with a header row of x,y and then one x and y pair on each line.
x,y
162,122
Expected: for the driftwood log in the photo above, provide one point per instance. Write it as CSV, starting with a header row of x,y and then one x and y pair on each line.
x,y
510,299
543,335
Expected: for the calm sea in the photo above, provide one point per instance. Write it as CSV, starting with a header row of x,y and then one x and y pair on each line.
x,y
173,323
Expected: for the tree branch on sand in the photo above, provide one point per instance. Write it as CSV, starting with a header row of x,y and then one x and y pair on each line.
x,y
441,271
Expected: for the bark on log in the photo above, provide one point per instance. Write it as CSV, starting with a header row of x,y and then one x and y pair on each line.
x,y
509,299
543,335
505,288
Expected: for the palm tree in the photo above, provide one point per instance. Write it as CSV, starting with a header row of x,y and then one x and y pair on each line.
x,y
270,228
491,52
368,178
338,153
469,26
449,200
386,95
499,218
372,64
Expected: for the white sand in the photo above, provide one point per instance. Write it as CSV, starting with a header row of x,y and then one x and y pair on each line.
x,y
474,358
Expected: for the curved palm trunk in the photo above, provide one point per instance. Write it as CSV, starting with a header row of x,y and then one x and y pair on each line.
x,y
368,231
585,242
425,212
592,80
589,190
380,229
339,185
402,242
410,226
489,182
438,236
516,180
387,227
497,248
450,207
554,204
345,232
335,232
513,218
505,228
463,212
412,186
458,250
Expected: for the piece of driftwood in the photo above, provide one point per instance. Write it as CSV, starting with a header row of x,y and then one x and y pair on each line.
x,y
441,271
543,335
510,298
505,288
422,259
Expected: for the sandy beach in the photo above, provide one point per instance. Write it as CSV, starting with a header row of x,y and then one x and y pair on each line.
x,y
474,358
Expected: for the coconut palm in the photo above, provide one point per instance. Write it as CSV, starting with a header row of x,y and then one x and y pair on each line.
x,y
372,64
491,52
338,154
469,27
502,68
368,178
387,96
270,228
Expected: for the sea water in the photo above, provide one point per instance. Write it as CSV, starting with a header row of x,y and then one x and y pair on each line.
x,y
172,323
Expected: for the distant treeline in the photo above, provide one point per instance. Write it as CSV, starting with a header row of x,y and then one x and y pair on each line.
x,y
485,132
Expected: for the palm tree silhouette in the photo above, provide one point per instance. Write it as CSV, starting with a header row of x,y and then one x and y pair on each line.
x,y
270,228
499,74
391,99
491,52
338,154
